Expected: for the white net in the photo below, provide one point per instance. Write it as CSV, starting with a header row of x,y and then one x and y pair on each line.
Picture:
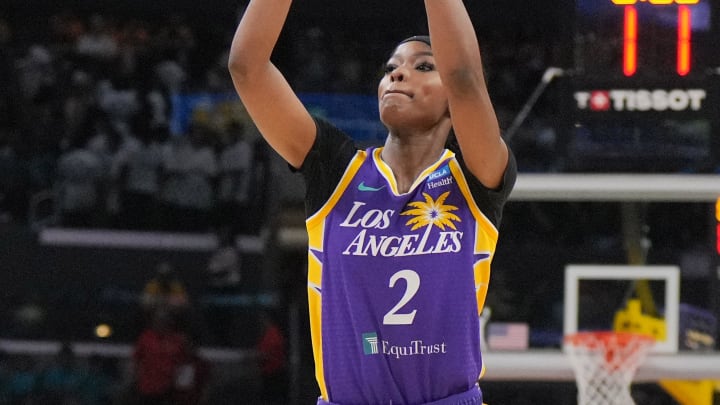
x,y
605,364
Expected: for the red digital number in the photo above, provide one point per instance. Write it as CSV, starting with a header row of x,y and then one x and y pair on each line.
x,y
684,34
717,217
660,2
630,41
684,31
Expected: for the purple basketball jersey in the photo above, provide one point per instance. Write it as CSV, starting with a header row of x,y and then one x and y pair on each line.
x,y
396,283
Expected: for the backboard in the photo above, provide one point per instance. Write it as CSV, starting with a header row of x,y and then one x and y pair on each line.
x,y
595,293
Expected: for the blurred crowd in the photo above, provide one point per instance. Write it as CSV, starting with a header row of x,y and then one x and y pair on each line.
x,y
164,363
89,134
165,367
64,379
85,137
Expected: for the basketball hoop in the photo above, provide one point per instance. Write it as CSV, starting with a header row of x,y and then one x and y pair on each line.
x,y
605,363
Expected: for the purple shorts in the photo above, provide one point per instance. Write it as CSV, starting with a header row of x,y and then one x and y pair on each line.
x,y
473,396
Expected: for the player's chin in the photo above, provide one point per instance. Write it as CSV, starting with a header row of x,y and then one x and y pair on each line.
x,y
393,113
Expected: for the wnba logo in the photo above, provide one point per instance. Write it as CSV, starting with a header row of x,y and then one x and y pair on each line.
x,y
370,343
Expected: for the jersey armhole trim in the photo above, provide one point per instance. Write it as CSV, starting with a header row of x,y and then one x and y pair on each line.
x,y
346,178
481,219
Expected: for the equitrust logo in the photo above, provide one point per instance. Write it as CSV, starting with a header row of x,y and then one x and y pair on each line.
x,y
370,343
372,346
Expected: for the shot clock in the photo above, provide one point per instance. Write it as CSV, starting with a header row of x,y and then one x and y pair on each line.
x,y
644,37
644,93
683,30
717,227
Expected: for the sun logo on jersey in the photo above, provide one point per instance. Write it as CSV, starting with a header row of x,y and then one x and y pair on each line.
x,y
431,212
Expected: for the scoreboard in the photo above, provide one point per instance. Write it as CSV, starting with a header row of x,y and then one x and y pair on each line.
x,y
683,30
644,95
644,37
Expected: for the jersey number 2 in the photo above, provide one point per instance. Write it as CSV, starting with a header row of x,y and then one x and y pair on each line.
x,y
412,285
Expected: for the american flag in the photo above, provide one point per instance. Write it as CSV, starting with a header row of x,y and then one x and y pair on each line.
x,y
507,336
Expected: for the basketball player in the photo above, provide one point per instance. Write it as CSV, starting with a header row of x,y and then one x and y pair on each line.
x,y
401,237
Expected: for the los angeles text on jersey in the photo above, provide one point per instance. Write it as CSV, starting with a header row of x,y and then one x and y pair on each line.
x,y
374,243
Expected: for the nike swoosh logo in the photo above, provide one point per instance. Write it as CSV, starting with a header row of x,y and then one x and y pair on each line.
x,y
363,187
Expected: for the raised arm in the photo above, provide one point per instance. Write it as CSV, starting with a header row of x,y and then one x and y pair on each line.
x,y
275,109
457,55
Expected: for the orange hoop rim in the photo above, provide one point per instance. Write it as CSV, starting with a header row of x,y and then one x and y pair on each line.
x,y
617,338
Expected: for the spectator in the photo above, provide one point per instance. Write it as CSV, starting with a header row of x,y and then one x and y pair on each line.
x,y
99,381
23,381
170,74
5,374
312,58
14,187
224,264
187,194
176,40
60,382
192,377
79,195
7,75
97,46
273,361
136,170
223,277
216,77
79,104
235,174
165,291
119,100
156,103
36,72
157,355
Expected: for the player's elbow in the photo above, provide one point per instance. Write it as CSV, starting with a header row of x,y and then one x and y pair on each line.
x,y
464,82
241,69
237,67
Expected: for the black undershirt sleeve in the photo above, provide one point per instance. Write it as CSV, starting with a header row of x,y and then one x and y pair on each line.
x,y
490,201
325,164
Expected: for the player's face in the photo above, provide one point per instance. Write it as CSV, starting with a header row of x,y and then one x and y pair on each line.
x,y
411,93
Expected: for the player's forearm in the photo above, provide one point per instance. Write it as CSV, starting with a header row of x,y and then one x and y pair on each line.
x,y
256,36
457,54
454,44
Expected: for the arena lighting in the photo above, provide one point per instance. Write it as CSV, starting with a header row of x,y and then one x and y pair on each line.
x,y
103,331
684,30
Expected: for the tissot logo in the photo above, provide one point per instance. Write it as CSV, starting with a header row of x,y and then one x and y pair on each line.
x,y
600,101
641,100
